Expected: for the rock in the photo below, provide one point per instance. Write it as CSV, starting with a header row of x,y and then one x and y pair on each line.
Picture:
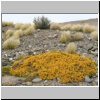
x,y
37,49
53,36
96,80
35,80
27,83
10,59
30,46
61,45
88,80
11,80
45,81
94,53
4,63
83,84
30,52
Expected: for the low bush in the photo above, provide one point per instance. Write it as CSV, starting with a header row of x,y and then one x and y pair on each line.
x,y
41,23
55,65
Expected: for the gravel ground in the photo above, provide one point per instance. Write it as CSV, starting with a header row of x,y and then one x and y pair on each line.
x,y
42,41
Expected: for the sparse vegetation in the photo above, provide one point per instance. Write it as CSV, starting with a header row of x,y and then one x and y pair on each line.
x,y
65,37
11,43
4,24
88,28
55,26
9,33
18,33
42,23
76,27
25,26
18,25
6,70
78,36
29,30
94,35
66,27
71,48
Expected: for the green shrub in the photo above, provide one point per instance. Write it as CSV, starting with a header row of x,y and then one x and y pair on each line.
x,y
41,23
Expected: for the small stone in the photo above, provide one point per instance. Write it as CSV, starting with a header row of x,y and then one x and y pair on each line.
x,y
10,59
88,80
35,80
30,52
34,53
96,80
5,55
53,36
27,83
4,63
45,81
29,46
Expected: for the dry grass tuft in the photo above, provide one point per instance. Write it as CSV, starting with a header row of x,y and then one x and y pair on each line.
x,y
65,36
11,43
18,25
4,24
66,27
9,33
71,48
88,28
55,26
25,26
29,30
18,33
78,36
76,27
94,35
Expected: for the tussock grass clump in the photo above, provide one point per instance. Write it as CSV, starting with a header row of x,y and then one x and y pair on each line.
x,y
66,27
55,26
4,24
9,33
94,35
11,43
65,36
78,36
76,27
88,28
25,26
18,25
71,48
41,23
55,64
29,30
18,33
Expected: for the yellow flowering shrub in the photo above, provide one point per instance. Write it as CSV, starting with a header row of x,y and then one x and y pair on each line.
x,y
55,64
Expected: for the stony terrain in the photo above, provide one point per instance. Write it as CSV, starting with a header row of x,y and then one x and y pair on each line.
x,y
42,41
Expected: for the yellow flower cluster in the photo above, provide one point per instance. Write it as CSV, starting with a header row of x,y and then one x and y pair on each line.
x,y
55,64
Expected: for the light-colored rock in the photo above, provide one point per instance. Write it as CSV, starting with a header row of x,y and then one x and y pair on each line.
x,y
88,80
10,59
27,83
35,80
11,80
